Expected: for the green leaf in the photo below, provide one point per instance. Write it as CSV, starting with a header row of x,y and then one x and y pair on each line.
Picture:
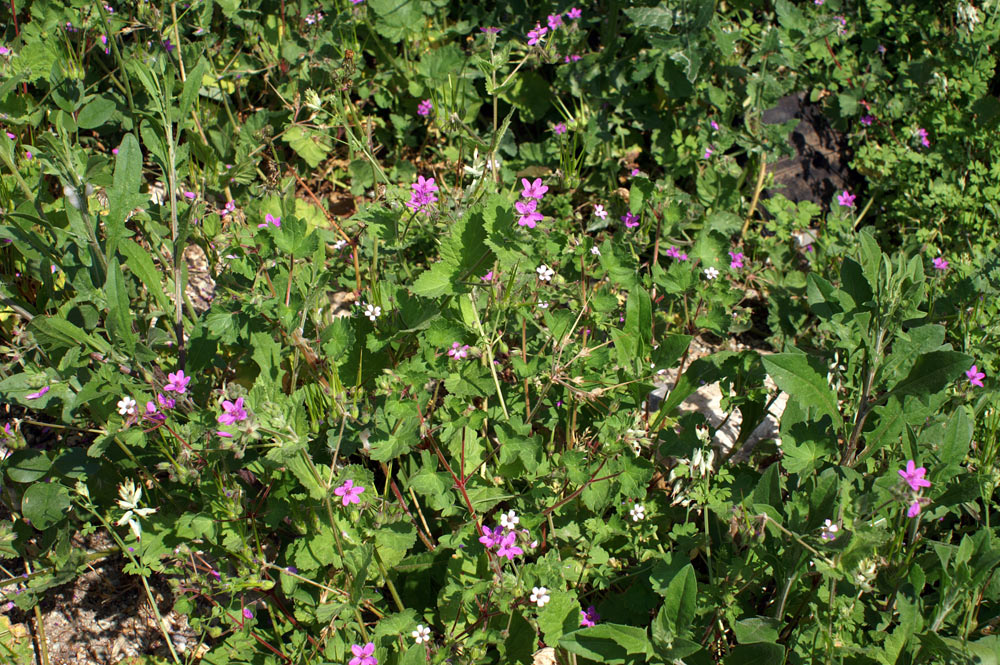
x,y
191,87
393,541
608,643
310,146
27,465
96,113
679,602
957,438
803,378
651,17
639,321
758,653
701,372
119,312
123,195
559,616
932,372
756,629
45,504
141,265
54,332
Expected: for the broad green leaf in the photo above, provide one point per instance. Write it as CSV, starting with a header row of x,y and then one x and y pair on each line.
x,y
96,113
27,465
757,653
756,629
138,261
610,643
191,87
393,541
310,146
56,333
957,438
932,372
45,504
803,378
559,616
639,321
679,602
119,312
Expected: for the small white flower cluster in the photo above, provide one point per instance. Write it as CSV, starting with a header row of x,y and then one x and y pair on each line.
x,y
372,311
129,498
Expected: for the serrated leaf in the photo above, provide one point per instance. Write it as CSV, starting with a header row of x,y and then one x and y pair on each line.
x,y
932,372
802,377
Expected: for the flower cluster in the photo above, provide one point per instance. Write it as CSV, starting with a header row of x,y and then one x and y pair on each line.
x,y
914,477
425,107
532,194
503,537
675,253
423,194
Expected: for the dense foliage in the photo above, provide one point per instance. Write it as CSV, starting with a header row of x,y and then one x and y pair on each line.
x,y
345,317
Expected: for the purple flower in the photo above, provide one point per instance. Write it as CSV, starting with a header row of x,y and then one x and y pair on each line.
x,y
913,510
555,20
924,141
560,128
490,30
232,412
975,378
631,221
866,120
940,263
247,614
708,152
270,219
177,382
45,389
590,617
675,253
425,107
4,50
166,402
533,190
535,36
714,125
458,351
574,13
508,548
490,538
528,216
423,193
167,46
846,200
349,492
363,654
28,155
736,260
572,57
914,476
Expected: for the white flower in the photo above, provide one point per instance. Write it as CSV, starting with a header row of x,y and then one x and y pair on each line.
x,y
421,634
130,496
599,211
340,244
539,595
543,305
638,512
595,251
545,273
509,520
372,311
126,406
829,530
711,273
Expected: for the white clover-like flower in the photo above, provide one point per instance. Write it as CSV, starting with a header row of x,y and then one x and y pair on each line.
x,y
129,498
711,272
829,530
421,634
543,305
372,311
545,273
509,520
638,512
126,406
540,595
595,251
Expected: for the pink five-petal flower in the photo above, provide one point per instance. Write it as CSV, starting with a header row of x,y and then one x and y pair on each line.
x,y
458,351
914,476
527,213
533,190
247,614
560,128
363,654
491,537
425,107
590,617
574,13
975,376
177,382
940,263
535,36
736,260
846,199
233,412
508,548
913,510
349,492
555,20
631,221
45,389
924,141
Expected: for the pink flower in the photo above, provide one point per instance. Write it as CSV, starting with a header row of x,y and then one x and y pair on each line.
x,y
488,277
913,510
45,389
631,221
555,20
560,128
533,190
599,211
190,196
975,377
924,141
714,124
708,152
535,36
940,263
490,30
349,492
177,382
247,614
737,260
675,253
270,219
845,199
458,351
528,216
224,434
422,194
572,57
574,13
508,548
4,50
363,654
425,107
232,412
165,402
590,617
914,476
866,120
28,155
491,538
